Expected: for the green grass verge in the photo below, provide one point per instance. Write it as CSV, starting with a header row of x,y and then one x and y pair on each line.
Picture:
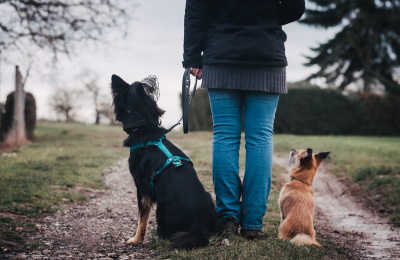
x,y
64,160
371,163
198,146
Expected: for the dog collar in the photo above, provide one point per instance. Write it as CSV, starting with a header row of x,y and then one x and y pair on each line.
x,y
133,126
299,181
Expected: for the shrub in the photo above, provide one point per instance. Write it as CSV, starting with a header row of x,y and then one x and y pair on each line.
x,y
314,111
317,111
200,118
29,112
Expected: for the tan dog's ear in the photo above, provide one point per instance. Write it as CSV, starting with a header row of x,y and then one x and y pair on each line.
x,y
320,156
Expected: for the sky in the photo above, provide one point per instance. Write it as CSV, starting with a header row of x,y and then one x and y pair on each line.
x,y
154,46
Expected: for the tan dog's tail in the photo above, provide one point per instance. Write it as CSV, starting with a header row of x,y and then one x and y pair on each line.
x,y
303,239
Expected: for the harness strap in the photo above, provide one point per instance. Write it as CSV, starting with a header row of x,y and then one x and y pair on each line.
x,y
140,145
176,161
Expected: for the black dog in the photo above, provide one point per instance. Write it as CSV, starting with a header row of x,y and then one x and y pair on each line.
x,y
163,174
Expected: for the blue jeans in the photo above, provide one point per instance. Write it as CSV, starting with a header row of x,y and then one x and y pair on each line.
x,y
257,111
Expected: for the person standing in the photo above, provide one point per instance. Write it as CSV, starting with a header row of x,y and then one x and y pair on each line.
x,y
237,48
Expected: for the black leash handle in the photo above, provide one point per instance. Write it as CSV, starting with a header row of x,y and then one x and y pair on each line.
x,y
187,98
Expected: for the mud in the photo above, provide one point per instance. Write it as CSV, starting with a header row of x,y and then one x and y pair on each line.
x,y
343,217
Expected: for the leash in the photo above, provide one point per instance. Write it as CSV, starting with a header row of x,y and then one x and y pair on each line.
x,y
151,88
187,98
176,161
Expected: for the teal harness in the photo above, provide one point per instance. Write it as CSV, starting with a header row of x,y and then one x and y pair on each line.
x,y
176,161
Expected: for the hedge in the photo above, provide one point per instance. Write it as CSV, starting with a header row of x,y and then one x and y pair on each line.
x,y
316,111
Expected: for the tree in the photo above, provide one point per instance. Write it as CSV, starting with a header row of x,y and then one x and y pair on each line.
x,y
56,25
93,88
367,49
63,101
106,111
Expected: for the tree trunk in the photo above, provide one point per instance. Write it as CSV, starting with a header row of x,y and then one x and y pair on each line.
x,y
97,122
17,134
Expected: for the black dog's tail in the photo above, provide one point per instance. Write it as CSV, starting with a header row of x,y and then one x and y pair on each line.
x,y
196,237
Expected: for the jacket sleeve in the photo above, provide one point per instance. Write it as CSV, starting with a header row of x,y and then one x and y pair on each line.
x,y
195,24
290,10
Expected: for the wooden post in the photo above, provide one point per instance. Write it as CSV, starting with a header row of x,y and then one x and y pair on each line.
x,y
17,134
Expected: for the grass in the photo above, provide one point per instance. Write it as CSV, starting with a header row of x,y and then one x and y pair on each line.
x,y
198,146
64,160
371,163
67,159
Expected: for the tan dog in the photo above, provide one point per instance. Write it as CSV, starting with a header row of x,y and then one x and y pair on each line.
x,y
296,199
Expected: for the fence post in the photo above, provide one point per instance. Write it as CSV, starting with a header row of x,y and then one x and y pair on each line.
x,y
17,133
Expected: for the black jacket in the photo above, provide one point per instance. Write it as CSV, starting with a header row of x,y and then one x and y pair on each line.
x,y
237,31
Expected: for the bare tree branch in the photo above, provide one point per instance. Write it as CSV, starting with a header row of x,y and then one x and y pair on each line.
x,y
63,101
57,25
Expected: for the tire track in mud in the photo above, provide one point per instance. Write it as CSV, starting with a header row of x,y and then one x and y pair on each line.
x,y
342,217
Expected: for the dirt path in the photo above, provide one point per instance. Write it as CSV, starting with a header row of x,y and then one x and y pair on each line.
x,y
343,217
97,229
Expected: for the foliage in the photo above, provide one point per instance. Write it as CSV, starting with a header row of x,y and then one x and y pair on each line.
x,y
58,25
310,110
326,111
382,115
200,118
365,49
317,111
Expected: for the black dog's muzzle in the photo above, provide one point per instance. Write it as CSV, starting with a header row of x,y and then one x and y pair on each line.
x,y
133,126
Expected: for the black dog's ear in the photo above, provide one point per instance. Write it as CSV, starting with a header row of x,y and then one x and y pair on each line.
x,y
323,155
306,159
117,84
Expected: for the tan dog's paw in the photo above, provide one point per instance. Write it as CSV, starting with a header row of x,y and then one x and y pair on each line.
x,y
135,240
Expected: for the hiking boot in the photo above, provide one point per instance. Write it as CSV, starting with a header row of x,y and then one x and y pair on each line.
x,y
229,227
250,233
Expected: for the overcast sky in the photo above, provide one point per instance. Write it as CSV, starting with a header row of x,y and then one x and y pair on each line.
x,y
153,47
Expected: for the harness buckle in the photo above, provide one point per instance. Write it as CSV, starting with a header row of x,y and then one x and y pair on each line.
x,y
176,161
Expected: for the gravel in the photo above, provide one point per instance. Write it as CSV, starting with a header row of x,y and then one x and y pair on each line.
x,y
96,229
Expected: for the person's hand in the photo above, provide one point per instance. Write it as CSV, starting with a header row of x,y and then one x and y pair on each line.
x,y
198,73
